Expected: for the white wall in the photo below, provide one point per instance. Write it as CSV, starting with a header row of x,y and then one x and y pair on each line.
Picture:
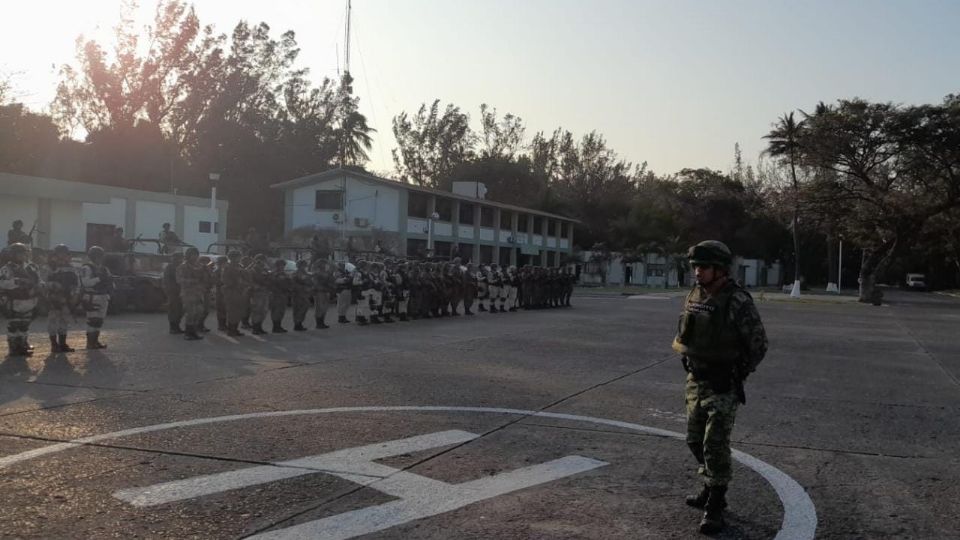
x,y
192,216
150,219
67,225
113,213
443,228
465,231
378,204
13,208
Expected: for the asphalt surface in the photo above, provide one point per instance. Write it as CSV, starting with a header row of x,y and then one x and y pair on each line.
x,y
858,405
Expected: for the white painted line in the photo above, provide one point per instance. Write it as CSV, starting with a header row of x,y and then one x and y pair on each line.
x,y
256,337
225,337
281,349
799,513
648,297
332,463
418,501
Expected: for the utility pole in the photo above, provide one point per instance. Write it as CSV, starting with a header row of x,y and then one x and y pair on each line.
x,y
346,56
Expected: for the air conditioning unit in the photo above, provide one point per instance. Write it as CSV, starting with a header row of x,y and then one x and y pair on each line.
x,y
361,222
337,218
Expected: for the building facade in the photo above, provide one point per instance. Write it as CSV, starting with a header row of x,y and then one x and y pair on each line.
x,y
412,220
81,215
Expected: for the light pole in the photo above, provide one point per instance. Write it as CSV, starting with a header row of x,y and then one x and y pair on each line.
x,y
430,219
840,266
214,178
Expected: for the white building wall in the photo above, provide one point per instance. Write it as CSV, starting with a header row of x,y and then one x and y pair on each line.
x,y
13,208
417,225
192,216
465,231
150,219
486,234
378,204
66,224
112,213
443,228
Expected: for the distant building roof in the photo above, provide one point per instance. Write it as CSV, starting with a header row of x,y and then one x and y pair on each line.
x,y
334,173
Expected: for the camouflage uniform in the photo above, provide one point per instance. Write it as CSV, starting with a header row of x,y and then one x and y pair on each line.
x,y
280,286
63,293
324,285
192,278
722,340
234,285
342,280
258,278
301,293
172,290
20,283
97,284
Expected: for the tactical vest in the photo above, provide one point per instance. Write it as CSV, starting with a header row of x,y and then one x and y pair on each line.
x,y
705,334
29,277
105,285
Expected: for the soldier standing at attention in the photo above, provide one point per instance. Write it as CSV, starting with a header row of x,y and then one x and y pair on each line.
x,y
360,288
218,298
258,276
63,292
722,340
246,264
280,287
301,293
209,282
172,289
193,282
97,286
233,286
324,285
342,280
20,282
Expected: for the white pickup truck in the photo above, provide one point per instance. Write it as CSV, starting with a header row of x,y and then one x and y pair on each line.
x,y
917,282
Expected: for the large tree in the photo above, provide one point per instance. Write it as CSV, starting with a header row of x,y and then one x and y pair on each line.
x,y
431,143
784,143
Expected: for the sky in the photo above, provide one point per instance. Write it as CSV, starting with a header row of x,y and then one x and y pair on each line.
x,y
672,83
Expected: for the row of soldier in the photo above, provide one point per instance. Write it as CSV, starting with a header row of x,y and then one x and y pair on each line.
x,y
244,291
68,292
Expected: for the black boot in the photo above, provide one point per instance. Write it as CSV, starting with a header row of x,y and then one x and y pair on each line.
x,y
54,345
190,334
342,319
234,331
175,328
62,340
245,324
203,328
221,325
321,324
481,308
258,329
403,317
467,312
278,329
388,318
712,521
374,319
361,320
700,499
299,327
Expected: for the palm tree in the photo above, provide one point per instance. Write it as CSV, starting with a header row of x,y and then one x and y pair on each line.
x,y
353,139
784,144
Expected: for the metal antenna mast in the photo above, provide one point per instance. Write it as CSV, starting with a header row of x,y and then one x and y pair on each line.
x,y
346,63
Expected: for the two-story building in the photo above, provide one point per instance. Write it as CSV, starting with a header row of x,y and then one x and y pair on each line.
x,y
413,220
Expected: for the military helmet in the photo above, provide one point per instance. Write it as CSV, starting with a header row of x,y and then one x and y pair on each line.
x,y
710,252
18,247
191,251
61,249
95,252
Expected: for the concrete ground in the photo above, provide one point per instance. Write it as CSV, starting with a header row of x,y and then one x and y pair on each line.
x,y
543,424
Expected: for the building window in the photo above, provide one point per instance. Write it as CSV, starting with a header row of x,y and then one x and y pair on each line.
x,y
655,270
563,229
486,254
441,249
486,216
418,205
466,214
537,225
506,220
416,248
205,226
445,209
329,199
523,223
505,256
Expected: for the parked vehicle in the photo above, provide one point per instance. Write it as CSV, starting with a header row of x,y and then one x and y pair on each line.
x,y
916,282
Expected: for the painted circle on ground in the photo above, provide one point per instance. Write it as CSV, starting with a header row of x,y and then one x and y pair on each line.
x,y
799,513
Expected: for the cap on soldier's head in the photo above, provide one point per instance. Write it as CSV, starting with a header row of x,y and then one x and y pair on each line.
x,y
260,257
61,249
192,251
18,247
710,252
95,252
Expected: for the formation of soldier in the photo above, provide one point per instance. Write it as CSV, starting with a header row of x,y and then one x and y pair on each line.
x,y
68,292
245,290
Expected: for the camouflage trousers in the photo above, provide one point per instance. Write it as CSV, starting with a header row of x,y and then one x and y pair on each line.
x,y
301,303
710,419
58,320
321,303
259,301
278,307
236,306
193,309
96,306
19,315
343,302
